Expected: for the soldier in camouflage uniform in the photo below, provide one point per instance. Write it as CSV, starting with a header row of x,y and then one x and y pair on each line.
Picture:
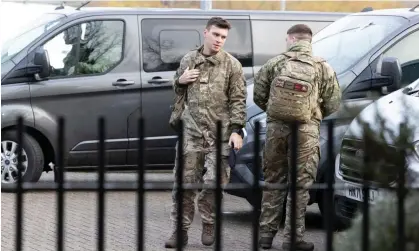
x,y
216,90
85,56
277,148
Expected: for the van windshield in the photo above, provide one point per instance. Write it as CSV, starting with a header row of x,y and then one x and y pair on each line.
x,y
32,32
345,41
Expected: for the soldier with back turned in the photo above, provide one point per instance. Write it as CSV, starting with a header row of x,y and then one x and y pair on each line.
x,y
293,87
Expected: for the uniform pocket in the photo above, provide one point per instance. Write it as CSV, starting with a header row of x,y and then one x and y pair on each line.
x,y
312,163
204,77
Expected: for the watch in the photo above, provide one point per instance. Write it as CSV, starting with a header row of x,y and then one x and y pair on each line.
x,y
238,131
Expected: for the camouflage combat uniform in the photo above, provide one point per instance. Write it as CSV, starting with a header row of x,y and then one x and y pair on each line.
x,y
219,93
277,148
84,59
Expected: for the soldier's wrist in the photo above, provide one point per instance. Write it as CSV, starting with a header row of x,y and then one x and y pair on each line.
x,y
177,83
238,130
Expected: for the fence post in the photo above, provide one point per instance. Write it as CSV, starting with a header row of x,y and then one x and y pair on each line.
x,y
60,180
19,195
256,186
218,195
365,191
140,185
294,152
101,190
328,203
401,193
179,183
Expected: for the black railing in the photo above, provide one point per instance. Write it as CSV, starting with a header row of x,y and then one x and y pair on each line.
x,y
140,187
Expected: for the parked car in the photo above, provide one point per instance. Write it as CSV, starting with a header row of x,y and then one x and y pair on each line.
x,y
354,46
117,63
393,109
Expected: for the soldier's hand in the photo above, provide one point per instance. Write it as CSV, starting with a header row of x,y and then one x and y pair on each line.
x,y
188,76
236,140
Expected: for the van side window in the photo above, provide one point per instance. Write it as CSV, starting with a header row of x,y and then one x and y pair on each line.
x,y
92,47
407,51
270,37
166,41
175,43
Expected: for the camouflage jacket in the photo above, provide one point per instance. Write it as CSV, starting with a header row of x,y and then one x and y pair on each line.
x,y
219,93
329,89
90,61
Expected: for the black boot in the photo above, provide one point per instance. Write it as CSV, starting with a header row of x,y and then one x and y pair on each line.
x,y
265,240
172,243
299,246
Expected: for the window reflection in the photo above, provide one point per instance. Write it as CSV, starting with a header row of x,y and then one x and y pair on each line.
x,y
88,48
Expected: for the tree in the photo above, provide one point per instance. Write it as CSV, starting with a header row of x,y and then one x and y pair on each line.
x,y
383,220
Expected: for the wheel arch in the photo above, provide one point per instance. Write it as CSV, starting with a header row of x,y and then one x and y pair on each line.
x,y
47,147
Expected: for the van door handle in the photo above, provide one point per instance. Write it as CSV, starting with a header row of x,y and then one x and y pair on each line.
x,y
123,82
158,81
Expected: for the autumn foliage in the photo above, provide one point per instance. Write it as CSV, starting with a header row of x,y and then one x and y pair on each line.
x,y
295,5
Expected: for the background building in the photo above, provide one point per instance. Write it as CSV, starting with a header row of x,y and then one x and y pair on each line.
x,y
291,5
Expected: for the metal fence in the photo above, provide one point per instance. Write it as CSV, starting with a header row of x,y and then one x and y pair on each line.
x,y
140,187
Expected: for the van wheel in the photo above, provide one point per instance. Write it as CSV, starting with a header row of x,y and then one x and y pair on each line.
x,y
32,158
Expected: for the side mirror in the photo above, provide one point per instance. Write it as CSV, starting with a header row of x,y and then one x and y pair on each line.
x,y
36,65
41,64
389,74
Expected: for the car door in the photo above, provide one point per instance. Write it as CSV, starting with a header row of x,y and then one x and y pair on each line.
x,y
165,40
94,74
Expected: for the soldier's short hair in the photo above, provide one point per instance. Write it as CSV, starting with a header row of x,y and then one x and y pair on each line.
x,y
301,32
218,22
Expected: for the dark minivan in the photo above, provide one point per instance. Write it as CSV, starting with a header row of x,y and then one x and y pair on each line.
x,y
117,63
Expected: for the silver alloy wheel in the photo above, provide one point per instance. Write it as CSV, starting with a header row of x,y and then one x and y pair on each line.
x,y
9,157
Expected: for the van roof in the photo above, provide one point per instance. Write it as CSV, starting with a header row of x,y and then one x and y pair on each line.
x,y
189,11
408,13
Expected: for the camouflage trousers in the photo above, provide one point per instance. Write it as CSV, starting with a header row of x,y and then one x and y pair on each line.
x,y
276,169
197,159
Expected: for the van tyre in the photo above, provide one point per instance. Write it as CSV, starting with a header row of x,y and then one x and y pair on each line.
x,y
32,157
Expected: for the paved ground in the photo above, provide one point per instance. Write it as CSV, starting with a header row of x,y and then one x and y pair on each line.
x,y
120,230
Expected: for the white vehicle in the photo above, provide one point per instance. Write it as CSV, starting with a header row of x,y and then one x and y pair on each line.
x,y
396,108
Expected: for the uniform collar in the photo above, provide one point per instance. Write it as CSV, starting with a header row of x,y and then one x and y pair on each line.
x,y
214,59
301,46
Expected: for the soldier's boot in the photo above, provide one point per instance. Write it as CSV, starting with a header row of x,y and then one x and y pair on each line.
x,y
207,236
265,240
172,243
299,246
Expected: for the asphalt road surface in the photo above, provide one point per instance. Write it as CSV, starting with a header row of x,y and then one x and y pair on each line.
x,y
39,227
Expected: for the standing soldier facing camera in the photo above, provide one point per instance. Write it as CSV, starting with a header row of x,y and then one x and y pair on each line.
x,y
292,87
212,84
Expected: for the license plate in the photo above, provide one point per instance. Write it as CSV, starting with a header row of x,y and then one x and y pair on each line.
x,y
356,193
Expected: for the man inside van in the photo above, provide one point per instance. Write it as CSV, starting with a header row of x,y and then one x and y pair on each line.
x,y
304,90
214,85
